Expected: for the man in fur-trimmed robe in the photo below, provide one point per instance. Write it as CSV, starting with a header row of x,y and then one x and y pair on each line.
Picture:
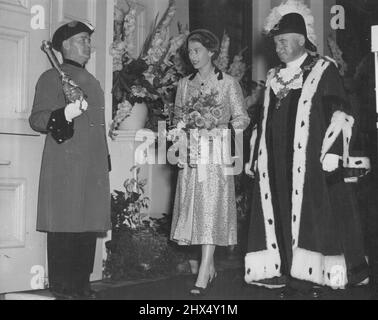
x,y
304,225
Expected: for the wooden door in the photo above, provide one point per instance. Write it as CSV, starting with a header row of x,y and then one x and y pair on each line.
x,y
22,249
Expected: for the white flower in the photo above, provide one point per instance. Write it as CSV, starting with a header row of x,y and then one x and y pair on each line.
x,y
222,61
181,125
139,91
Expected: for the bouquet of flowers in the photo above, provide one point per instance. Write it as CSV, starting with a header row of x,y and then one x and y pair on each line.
x,y
200,112
151,77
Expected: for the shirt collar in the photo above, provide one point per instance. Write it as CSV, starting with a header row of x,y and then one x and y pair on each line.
x,y
74,63
298,62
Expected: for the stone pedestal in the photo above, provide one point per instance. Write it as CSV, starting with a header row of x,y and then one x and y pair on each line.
x,y
160,186
137,118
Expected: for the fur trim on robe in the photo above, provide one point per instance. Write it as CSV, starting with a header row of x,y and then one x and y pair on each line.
x,y
306,265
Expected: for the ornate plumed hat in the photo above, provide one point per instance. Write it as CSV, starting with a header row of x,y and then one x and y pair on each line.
x,y
68,30
293,16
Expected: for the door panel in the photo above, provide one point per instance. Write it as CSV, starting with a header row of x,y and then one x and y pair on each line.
x,y
22,248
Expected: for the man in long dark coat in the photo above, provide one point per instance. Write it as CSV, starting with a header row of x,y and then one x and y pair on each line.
x,y
74,195
304,228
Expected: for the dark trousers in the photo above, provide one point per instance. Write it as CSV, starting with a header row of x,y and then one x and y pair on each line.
x,y
70,260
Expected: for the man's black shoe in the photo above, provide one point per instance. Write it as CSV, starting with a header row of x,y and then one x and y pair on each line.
x,y
286,293
63,295
316,293
87,293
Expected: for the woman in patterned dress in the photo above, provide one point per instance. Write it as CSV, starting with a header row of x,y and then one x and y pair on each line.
x,y
205,209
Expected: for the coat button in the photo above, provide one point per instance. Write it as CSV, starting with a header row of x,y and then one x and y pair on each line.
x,y
103,124
91,125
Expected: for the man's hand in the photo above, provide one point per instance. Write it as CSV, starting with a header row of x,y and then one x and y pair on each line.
x,y
248,171
75,109
330,162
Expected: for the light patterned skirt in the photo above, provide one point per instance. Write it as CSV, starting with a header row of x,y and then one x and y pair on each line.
x,y
204,209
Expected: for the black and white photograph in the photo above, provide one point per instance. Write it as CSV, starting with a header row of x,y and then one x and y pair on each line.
x,y
188,155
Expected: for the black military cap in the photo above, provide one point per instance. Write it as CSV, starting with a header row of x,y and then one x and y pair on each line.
x,y
293,23
68,30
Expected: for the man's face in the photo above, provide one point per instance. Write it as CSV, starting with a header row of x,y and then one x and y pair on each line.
x,y
289,46
79,47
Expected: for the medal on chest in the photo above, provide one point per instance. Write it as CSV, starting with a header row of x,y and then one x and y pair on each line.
x,y
282,88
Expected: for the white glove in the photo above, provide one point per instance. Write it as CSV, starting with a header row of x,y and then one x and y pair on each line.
x,y
330,162
248,171
75,109
84,105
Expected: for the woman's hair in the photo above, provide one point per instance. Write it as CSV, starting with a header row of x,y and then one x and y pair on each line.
x,y
205,37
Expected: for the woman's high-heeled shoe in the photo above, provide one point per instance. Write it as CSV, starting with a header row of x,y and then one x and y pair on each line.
x,y
199,291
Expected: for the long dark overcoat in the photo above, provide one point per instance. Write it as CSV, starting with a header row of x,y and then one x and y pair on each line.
x,y
74,193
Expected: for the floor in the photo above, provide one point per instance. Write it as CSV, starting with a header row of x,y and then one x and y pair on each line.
x,y
229,285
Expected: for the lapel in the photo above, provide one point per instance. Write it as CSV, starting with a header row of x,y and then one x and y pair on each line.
x,y
307,66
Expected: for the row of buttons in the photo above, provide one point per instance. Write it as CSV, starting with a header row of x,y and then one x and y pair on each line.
x,y
102,124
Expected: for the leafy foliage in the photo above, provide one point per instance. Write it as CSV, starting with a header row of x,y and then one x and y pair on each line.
x,y
140,246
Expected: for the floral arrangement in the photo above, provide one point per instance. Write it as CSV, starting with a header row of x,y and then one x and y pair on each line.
x,y
151,77
237,68
337,54
222,60
200,112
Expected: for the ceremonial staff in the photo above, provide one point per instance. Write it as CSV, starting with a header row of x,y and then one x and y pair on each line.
x,y
71,90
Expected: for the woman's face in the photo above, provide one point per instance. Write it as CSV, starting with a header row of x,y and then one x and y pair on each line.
x,y
199,56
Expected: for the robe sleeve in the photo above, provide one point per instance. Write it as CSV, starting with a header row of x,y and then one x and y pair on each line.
x,y
334,99
239,115
47,114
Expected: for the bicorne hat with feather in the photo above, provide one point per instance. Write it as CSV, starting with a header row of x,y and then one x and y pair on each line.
x,y
293,16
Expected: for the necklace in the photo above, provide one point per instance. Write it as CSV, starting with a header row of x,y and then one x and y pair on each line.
x,y
282,93
204,80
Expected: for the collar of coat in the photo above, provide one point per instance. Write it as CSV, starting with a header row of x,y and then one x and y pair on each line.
x,y
74,63
216,71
